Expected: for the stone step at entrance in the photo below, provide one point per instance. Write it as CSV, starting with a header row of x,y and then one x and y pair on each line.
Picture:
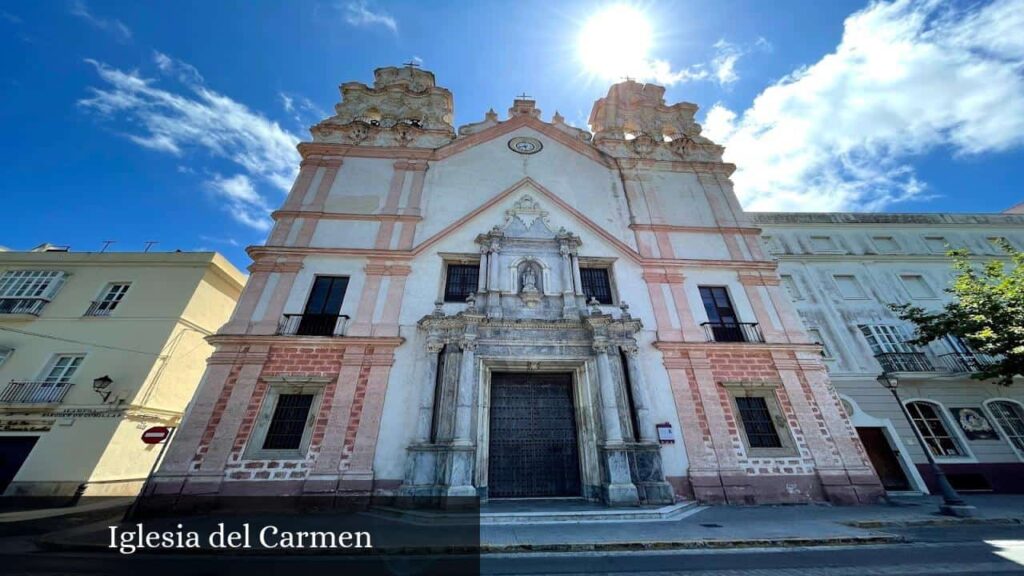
x,y
545,511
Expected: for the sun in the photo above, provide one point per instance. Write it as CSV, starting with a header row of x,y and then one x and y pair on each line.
x,y
615,42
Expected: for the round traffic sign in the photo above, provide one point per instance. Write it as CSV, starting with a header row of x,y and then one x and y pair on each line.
x,y
156,434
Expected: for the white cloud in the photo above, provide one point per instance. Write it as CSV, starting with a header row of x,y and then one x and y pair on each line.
x,y
301,109
358,13
192,117
112,26
721,68
908,77
243,201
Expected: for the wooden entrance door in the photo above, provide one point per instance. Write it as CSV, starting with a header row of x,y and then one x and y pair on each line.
x,y
886,463
533,450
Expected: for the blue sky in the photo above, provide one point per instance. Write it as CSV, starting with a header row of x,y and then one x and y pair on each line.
x,y
176,121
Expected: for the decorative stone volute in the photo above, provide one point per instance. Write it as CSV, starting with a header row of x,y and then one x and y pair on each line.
x,y
633,120
404,107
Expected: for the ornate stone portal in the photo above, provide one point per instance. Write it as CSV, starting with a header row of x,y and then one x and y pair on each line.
x,y
530,316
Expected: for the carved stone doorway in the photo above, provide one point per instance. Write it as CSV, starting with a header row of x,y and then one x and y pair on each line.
x,y
533,442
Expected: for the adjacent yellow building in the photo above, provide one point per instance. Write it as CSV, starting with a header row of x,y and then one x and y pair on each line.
x,y
95,348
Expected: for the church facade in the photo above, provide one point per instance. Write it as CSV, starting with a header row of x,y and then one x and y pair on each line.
x,y
516,309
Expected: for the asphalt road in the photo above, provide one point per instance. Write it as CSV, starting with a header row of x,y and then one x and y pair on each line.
x,y
945,551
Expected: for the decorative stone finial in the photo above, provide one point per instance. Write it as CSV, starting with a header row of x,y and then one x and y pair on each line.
x,y
625,310
471,300
595,306
438,308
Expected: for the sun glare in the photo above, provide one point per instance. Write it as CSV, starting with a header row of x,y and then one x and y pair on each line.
x,y
615,42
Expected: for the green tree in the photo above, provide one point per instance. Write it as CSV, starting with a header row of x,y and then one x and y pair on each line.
x,y
987,313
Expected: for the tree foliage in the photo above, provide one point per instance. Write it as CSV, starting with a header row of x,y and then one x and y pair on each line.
x,y
987,313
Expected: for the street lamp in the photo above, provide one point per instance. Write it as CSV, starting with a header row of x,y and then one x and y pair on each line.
x,y
952,503
101,386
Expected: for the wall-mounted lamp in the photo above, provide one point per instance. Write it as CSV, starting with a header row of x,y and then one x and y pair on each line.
x,y
101,386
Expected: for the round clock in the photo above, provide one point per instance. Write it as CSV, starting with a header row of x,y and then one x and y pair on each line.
x,y
524,145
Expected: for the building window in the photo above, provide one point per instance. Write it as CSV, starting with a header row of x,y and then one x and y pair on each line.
x,y
791,287
886,244
285,423
5,353
322,315
936,244
772,245
849,287
27,291
761,422
917,286
817,338
56,379
723,325
288,423
824,244
460,281
757,422
885,339
112,296
928,420
1009,416
597,284
997,243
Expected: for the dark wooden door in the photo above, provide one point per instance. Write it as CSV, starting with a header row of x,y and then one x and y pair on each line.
x,y
13,452
885,461
533,451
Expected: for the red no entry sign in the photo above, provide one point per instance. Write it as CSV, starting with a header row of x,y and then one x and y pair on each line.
x,y
156,434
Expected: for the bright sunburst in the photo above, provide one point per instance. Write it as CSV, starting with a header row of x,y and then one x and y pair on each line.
x,y
615,42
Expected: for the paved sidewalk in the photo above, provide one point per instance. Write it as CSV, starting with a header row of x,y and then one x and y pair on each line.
x,y
752,526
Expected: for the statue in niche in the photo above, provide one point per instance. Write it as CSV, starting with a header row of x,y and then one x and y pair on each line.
x,y
529,292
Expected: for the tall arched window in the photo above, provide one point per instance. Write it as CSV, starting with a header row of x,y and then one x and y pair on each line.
x,y
934,429
1009,416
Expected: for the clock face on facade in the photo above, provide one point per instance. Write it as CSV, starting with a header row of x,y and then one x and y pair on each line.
x,y
525,145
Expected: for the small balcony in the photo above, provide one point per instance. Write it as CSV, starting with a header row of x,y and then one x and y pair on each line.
x,y
313,325
31,306
967,362
732,332
100,308
34,392
904,362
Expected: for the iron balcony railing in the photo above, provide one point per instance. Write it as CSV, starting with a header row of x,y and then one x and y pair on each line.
x,y
904,362
732,332
34,392
313,325
100,308
22,305
967,362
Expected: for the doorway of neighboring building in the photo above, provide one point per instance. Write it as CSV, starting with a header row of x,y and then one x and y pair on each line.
x,y
533,451
884,459
14,451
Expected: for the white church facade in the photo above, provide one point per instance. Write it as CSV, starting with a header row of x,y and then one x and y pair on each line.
x,y
518,309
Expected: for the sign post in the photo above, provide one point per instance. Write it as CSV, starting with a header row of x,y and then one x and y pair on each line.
x,y
155,435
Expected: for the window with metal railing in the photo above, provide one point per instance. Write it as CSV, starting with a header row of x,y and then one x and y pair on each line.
x,y
28,291
460,281
109,300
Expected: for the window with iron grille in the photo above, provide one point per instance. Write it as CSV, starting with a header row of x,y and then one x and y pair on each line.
x,y
929,422
288,424
1009,416
757,422
112,296
461,280
597,284
885,339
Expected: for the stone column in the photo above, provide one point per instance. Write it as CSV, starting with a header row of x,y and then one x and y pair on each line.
x,y
576,273
426,415
568,297
460,471
620,490
640,399
494,281
484,271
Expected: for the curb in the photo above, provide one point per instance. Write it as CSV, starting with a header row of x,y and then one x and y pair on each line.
x,y
932,522
695,544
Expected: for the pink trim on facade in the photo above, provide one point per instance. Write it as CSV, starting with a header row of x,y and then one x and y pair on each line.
x,y
247,303
331,167
384,233
299,189
363,320
395,189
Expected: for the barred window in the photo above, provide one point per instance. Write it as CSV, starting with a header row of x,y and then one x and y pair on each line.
x,y
1009,416
462,279
757,422
288,424
933,428
596,284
